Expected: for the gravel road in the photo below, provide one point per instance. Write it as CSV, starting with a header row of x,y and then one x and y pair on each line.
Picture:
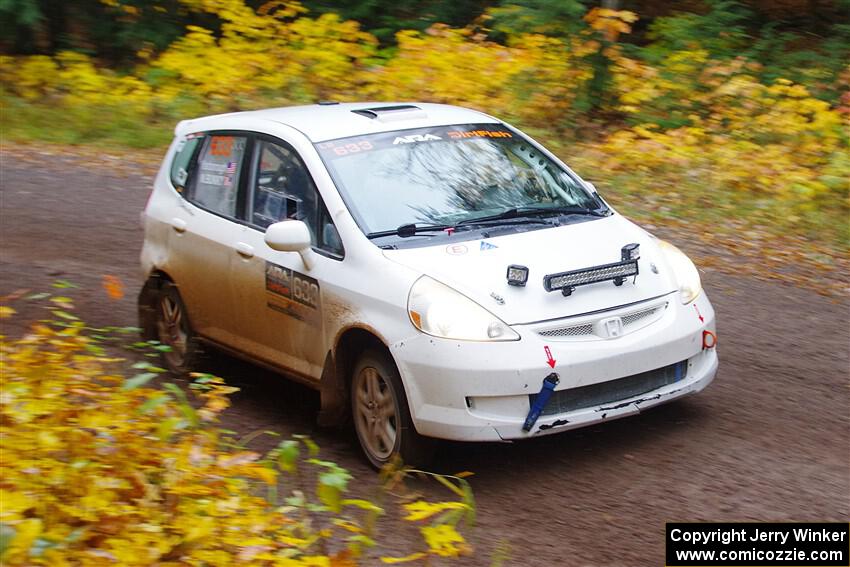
x,y
768,440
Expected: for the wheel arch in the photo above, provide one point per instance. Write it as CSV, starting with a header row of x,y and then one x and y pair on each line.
x,y
339,364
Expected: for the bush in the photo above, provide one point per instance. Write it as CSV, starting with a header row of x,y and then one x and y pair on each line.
x,y
101,468
692,114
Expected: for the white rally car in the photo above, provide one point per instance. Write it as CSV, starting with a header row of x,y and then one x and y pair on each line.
x,y
433,271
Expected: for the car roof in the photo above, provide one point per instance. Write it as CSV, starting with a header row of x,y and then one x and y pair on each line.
x,y
329,121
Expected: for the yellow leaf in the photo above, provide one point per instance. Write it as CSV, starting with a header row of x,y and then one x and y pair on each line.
x,y
406,559
421,510
201,528
444,540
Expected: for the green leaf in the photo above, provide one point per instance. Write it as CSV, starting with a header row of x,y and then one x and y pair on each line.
x,y
287,455
75,535
63,314
363,505
40,545
297,499
96,350
7,534
167,427
332,484
185,407
37,296
312,448
63,284
154,403
363,540
336,478
138,380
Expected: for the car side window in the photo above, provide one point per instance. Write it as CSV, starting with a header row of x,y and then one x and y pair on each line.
x,y
215,183
181,164
283,189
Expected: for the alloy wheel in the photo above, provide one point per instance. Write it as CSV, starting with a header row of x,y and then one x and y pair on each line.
x,y
375,413
171,326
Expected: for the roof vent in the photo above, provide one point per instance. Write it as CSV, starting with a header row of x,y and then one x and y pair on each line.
x,y
391,113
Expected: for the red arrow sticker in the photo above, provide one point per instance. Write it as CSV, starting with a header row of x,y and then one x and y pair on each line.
x,y
701,320
549,360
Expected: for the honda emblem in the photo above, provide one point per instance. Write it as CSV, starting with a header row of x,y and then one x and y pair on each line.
x,y
614,327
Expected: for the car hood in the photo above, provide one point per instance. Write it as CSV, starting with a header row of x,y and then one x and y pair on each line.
x,y
477,268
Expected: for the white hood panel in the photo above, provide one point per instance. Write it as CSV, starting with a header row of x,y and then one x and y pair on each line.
x,y
477,268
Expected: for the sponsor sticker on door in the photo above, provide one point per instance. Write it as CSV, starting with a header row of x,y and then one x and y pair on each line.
x,y
293,294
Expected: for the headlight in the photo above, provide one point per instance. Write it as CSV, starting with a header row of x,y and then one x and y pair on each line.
x,y
684,271
438,310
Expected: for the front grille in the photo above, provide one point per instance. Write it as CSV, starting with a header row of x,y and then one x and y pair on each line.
x,y
563,401
577,331
634,318
631,322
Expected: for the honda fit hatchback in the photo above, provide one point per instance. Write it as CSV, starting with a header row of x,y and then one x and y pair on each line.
x,y
431,270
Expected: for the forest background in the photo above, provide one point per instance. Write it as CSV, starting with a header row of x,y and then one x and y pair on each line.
x,y
733,116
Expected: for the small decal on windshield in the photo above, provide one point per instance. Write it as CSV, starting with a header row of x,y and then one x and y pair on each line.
x,y
455,134
413,138
487,246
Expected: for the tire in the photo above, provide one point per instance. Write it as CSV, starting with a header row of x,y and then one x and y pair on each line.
x,y
174,330
381,414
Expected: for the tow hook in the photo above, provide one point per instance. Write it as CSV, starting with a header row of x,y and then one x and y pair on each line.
x,y
540,400
709,340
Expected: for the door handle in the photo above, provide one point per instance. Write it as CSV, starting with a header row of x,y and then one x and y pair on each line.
x,y
179,225
244,250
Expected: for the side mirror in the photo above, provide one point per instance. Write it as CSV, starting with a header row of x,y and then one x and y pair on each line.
x,y
591,186
288,236
291,236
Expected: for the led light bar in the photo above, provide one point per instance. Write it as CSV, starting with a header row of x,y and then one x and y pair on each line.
x,y
566,282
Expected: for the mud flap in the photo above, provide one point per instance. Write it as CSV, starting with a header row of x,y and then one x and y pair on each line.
x,y
333,395
147,309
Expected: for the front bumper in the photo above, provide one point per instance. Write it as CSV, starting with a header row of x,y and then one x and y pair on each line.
x,y
479,391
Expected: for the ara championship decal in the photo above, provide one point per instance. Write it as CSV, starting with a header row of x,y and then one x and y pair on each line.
x,y
293,294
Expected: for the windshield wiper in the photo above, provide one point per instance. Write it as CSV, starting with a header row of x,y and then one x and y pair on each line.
x,y
564,210
517,215
412,229
528,214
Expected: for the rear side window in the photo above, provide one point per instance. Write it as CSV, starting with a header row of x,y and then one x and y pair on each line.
x,y
181,164
215,184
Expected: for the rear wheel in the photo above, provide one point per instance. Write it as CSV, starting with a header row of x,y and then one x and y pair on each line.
x,y
381,414
173,330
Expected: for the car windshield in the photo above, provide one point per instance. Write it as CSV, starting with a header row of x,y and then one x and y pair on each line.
x,y
447,175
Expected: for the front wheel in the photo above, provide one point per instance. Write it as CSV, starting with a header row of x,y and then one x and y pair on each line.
x,y
381,414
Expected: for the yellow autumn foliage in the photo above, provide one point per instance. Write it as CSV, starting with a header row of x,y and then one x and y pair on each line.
x,y
533,79
686,133
99,469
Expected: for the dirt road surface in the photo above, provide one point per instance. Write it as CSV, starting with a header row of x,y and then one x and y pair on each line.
x,y
768,440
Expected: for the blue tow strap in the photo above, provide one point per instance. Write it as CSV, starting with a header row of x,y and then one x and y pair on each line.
x,y
540,400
